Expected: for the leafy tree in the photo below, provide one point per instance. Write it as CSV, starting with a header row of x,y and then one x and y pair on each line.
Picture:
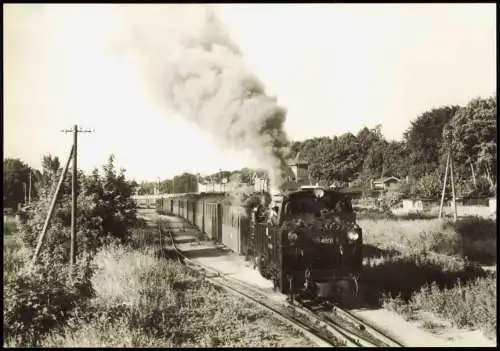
x,y
48,177
50,164
185,183
374,164
472,137
430,186
396,159
367,137
113,201
15,181
106,211
424,139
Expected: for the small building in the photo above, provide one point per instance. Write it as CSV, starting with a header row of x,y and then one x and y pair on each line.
x,y
385,183
300,169
295,176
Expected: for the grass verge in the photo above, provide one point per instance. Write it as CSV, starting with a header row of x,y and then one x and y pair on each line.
x,y
145,301
433,266
471,238
471,305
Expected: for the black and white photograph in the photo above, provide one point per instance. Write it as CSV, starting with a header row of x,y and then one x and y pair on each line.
x,y
249,175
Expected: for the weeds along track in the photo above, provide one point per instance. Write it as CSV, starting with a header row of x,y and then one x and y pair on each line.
x,y
331,327
353,330
315,334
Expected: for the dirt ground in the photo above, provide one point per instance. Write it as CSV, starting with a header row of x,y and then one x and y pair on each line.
x,y
426,330
418,334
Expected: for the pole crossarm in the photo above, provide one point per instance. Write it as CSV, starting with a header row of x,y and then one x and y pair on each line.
x,y
78,130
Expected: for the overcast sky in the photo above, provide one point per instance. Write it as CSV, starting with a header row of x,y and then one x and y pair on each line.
x,y
335,67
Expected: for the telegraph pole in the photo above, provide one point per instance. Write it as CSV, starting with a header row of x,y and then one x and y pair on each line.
x,y
75,132
449,165
29,191
444,186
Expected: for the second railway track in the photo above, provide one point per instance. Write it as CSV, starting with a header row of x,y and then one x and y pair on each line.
x,y
332,328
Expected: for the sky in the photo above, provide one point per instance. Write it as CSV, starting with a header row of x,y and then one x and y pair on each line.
x,y
335,67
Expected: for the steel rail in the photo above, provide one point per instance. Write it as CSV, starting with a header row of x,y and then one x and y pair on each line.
x,y
359,334
217,278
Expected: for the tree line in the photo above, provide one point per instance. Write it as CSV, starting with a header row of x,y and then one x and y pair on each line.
x,y
469,132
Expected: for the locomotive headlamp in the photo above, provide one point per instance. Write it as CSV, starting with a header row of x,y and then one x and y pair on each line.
x,y
293,236
352,236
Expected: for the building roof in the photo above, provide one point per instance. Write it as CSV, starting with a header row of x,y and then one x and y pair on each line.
x,y
383,180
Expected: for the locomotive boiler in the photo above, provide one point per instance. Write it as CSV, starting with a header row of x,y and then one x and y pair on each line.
x,y
309,245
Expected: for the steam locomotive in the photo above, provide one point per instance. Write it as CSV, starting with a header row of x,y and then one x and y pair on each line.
x,y
310,245
307,241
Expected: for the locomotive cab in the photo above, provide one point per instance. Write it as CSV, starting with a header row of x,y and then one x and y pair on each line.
x,y
310,244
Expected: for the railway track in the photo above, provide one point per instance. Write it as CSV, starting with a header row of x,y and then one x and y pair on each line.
x,y
330,327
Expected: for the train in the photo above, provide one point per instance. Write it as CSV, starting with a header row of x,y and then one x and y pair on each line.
x,y
306,241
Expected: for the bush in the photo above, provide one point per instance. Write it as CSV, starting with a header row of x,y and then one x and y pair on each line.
x,y
429,186
478,239
404,273
105,211
9,226
374,214
470,305
38,301
45,299
392,196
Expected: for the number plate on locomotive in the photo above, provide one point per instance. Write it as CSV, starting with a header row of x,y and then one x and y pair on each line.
x,y
325,240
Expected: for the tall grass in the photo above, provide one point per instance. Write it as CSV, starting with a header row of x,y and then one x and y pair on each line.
x,y
142,300
432,265
472,238
471,305
9,227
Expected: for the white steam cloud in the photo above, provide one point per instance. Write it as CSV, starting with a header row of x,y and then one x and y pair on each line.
x,y
193,67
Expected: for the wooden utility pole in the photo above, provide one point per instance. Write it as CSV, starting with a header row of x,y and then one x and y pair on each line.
x,y
449,165
453,190
25,194
74,182
444,186
29,191
51,210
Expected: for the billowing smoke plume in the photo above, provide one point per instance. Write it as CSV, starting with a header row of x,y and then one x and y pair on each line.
x,y
197,71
